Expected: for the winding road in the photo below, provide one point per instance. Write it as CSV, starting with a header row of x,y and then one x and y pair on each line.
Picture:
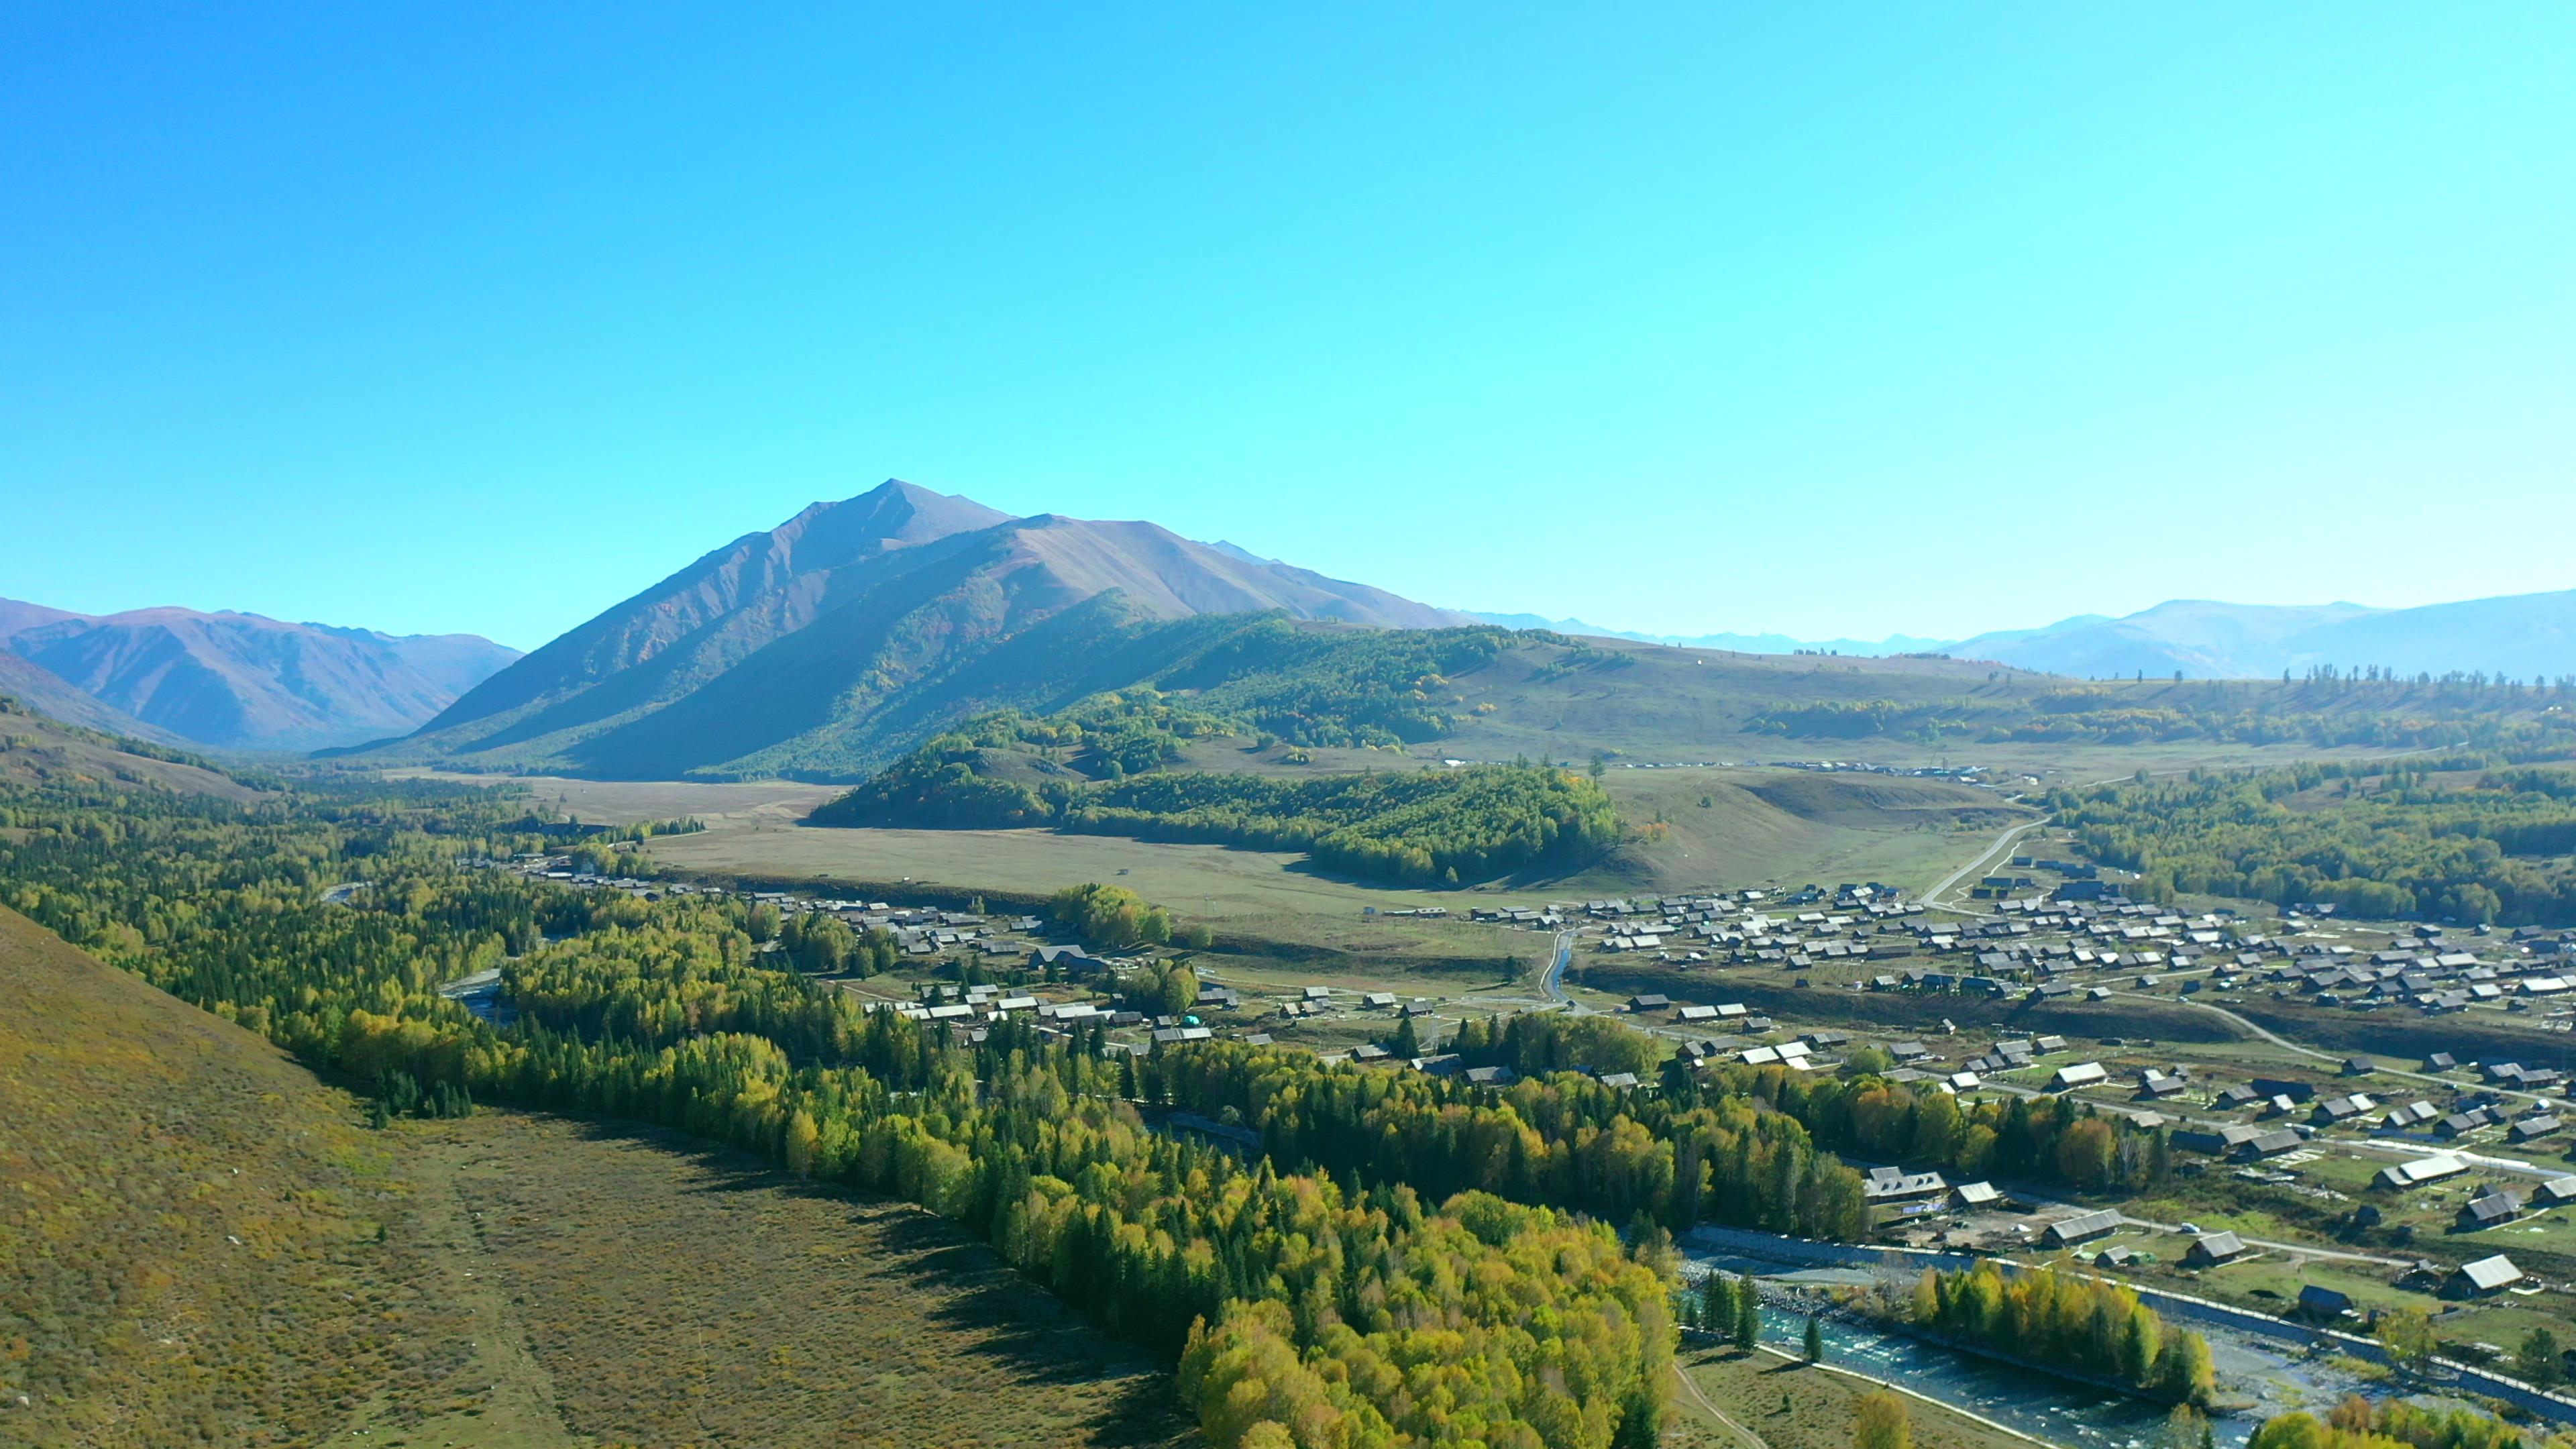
x,y
1551,981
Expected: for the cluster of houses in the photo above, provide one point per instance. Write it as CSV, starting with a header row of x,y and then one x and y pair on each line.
x,y
1786,928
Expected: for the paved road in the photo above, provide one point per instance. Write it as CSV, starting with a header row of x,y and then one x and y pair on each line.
x,y
2003,842
2278,1040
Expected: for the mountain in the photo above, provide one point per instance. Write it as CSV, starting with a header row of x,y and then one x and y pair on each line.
x,y
827,645
1735,643
2519,636
41,690
238,681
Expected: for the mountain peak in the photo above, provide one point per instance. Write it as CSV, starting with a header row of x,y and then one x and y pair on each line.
x,y
841,633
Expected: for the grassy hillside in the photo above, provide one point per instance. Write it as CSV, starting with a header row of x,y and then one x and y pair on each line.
x,y
36,750
192,1251
1694,828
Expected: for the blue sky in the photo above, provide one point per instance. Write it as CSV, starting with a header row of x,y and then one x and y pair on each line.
x,y
1835,320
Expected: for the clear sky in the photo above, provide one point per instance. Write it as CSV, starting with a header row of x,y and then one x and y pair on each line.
x,y
1834,320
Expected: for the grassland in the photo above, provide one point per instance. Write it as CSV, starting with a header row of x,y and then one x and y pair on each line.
x,y
1785,1405
748,805
1762,827
1694,828
659,1291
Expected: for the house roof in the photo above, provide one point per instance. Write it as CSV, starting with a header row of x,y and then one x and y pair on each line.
x,y
2490,1273
2083,1225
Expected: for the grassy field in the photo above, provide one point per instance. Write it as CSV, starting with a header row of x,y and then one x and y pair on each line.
x,y
1732,828
1761,827
648,1289
752,805
1789,1406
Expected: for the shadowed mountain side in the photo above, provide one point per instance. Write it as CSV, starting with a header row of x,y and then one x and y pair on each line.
x,y
899,638
726,606
45,692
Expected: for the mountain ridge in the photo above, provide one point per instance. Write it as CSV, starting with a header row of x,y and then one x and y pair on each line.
x,y
811,646
2515,635
235,680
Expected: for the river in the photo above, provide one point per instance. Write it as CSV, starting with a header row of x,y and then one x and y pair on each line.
x,y
2042,1405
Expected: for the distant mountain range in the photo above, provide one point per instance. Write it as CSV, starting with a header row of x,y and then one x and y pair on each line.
x,y
2520,637
236,681
829,644
834,642
1734,643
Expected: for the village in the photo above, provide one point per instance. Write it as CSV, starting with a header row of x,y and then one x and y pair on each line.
x,y
2410,1173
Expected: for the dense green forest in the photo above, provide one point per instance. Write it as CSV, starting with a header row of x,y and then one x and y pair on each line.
x,y
2066,1321
1413,827
2052,1139
2464,836
1392,1300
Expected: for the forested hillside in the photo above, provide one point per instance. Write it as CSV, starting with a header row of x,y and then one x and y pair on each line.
x,y
2463,835
1421,826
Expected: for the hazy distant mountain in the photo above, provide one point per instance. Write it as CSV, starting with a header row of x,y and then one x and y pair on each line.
x,y
830,643
2519,636
41,690
1738,643
236,680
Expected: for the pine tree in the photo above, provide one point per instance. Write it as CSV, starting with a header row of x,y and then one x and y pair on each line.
x,y
1815,1345
1405,1044
1748,1317
1717,1302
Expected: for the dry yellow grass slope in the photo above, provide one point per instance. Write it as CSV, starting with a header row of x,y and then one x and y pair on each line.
x,y
189,1225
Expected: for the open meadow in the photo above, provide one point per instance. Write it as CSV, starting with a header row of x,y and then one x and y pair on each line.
x,y
1762,1401
647,1288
